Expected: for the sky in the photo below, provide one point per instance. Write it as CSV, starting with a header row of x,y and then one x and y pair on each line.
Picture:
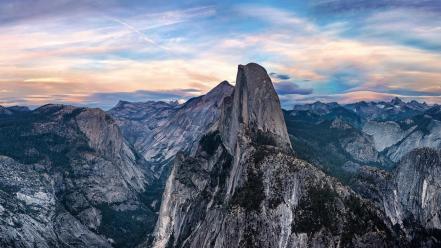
x,y
96,52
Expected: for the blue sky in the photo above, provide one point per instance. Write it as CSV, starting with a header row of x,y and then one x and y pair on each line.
x,y
95,53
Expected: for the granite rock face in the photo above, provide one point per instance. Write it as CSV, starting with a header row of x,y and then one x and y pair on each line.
x,y
385,134
397,138
67,175
255,108
417,189
409,195
159,130
244,188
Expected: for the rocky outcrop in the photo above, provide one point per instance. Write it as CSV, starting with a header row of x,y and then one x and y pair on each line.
x,y
244,188
409,195
385,134
397,138
255,108
416,189
30,214
69,178
361,149
428,136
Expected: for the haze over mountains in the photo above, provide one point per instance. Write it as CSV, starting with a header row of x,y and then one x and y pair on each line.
x,y
227,169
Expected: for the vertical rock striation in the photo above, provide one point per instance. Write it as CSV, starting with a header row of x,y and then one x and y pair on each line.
x,y
410,195
255,109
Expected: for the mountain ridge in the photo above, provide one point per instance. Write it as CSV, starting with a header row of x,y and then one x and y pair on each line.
x,y
253,186
230,158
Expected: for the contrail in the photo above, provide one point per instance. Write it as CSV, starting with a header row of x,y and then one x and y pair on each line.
x,y
135,30
132,28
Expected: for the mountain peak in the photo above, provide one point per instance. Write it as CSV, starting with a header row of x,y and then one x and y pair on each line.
x,y
396,101
223,88
255,108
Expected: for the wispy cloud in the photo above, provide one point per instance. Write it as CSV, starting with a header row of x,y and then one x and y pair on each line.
x,y
68,51
288,101
279,76
291,88
422,30
338,6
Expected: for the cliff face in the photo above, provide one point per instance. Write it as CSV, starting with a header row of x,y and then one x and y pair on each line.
x,y
244,188
255,108
409,195
67,178
416,189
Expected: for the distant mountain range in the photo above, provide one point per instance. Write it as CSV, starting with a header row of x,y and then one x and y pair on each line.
x,y
369,133
227,169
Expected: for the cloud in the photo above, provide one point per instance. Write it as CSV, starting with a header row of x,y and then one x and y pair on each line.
x,y
49,54
340,6
22,10
279,76
423,30
115,76
276,16
290,88
332,63
435,91
44,80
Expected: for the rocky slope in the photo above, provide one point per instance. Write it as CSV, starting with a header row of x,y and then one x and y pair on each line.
x,y
397,138
159,130
385,134
68,178
410,195
244,188
331,138
417,189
